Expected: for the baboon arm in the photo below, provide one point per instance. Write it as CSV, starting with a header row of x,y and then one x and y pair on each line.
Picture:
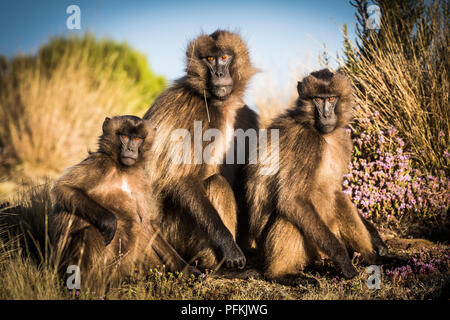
x,y
305,217
75,201
192,195
348,209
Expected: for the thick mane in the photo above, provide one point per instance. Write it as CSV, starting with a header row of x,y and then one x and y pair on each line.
x,y
205,45
325,82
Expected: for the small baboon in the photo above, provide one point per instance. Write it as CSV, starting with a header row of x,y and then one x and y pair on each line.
x,y
105,213
301,211
199,217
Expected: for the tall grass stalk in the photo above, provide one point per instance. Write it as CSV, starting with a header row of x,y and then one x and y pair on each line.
x,y
407,84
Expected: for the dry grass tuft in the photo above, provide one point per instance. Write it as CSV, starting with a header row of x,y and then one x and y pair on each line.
x,y
49,120
28,270
407,84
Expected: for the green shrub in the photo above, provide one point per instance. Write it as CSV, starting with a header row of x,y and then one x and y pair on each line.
x,y
52,105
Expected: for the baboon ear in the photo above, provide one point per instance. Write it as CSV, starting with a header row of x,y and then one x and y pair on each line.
x,y
299,87
105,123
150,127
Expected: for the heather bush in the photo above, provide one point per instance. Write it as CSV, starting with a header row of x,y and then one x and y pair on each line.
x,y
401,73
383,183
422,263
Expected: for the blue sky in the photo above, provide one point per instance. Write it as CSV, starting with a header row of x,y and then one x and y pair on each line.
x,y
284,37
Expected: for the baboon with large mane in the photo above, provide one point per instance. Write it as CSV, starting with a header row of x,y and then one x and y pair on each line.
x,y
105,216
199,217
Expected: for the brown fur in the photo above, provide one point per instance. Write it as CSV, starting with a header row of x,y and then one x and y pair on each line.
x,y
236,176
197,222
101,188
300,212
196,73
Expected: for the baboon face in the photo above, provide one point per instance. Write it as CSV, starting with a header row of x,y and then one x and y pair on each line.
x,y
129,152
129,136
326,118
325,98
218,65
220,80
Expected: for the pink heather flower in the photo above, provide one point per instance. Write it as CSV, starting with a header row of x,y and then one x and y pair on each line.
x,y
392,131
381,181
446,154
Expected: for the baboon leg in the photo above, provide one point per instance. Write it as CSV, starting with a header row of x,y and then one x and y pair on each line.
x,y
285,252
353,230
222,198
306,218
159,252
86,249
75,242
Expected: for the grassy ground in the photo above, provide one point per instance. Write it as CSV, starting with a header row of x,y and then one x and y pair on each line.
x,y
27,272
24,279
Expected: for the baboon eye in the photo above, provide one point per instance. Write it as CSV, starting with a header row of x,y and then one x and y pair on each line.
x,y
137,139
124,137
210,59
331,99
318,99
224,57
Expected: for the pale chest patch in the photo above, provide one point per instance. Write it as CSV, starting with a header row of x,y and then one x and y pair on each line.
x,y
218,151
113,189
125,187
120,184
229,135
332,165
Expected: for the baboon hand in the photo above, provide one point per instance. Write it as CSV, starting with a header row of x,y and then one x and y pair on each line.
x,y
190,270
234,257
107,226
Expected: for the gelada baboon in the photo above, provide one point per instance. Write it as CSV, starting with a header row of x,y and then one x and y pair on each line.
x,y
301,211
104,213
200,209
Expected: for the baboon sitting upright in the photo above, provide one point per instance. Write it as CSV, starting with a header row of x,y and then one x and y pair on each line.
x,y
105,213
301,210
200,210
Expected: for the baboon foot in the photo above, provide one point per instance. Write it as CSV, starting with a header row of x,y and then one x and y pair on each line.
x,y
190,270
392,260
294,280
239,274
